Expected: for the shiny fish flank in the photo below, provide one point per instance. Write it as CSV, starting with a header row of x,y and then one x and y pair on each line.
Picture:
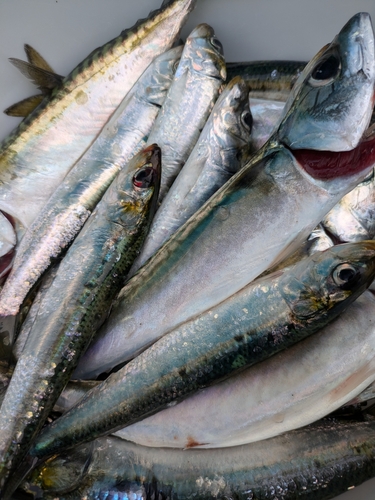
x,y
262,214
71,204
193,92
289,390
319,461
217,155
66,124
265,317
76,304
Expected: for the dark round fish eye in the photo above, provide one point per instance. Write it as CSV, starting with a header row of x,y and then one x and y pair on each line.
x,y
327,69
247,119
143,178
345,276
217,44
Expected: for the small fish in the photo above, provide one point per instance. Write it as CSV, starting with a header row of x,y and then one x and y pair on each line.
x,y
260,216
318,461
76,304
73,201
217,155
265,317
194,90
8,242
36,157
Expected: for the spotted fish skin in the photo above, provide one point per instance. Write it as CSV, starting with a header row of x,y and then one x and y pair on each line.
x,y
76,304
38,154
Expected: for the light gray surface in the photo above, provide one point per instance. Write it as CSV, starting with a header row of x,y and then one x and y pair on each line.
x,y
66,31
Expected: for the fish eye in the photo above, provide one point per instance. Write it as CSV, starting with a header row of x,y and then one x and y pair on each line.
x,y
247,119
325,71
144,177
345,276
217,44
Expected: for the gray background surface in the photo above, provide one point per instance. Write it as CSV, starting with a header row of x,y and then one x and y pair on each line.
x,y
66,31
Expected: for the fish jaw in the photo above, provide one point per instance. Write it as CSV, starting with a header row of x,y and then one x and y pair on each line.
x,y
342,100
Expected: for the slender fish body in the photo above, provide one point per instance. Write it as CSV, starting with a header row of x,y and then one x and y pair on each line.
x,y
216,156
289,390
194,90
74,200
35,158
267,79
235,334
76,303
317,462
241,231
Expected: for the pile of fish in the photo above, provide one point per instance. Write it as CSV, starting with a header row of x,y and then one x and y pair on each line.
x,y
183,270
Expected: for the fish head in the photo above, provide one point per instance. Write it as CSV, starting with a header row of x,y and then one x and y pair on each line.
x,y
137,197
329,281
331,103
232,119
161,73
204,53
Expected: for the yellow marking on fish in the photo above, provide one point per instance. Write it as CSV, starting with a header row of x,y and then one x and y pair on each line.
x,y
81,97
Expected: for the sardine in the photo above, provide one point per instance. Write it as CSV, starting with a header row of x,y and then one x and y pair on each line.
x,y
217,155
76,304
36,157
73,201
317,462
190,99
260,216
8,242
262,319
289,390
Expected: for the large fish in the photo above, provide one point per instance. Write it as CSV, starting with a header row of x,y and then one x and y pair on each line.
x,y
38,154
262,319
317,462
77,302
263,213
73,201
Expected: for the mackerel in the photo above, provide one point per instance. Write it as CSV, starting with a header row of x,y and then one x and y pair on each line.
x,y
317,462
262,214
35,158
194,90
217,155
76,304
71,204
267,316
293,388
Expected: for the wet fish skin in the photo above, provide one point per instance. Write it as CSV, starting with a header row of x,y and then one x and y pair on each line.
x,y
235,334
73,201
196,86
267,79
76,304
289,390
217,155
271,192
317,462
65,124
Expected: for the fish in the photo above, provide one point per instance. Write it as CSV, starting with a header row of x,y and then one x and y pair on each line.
x,y
287,391
73,201
35,158
76,304
268,79
264,318
196,86
319,461
217,155
241,231
8,242
266,117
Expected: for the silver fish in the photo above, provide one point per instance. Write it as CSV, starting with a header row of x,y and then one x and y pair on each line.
x,y
193,92
216,156
241,231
